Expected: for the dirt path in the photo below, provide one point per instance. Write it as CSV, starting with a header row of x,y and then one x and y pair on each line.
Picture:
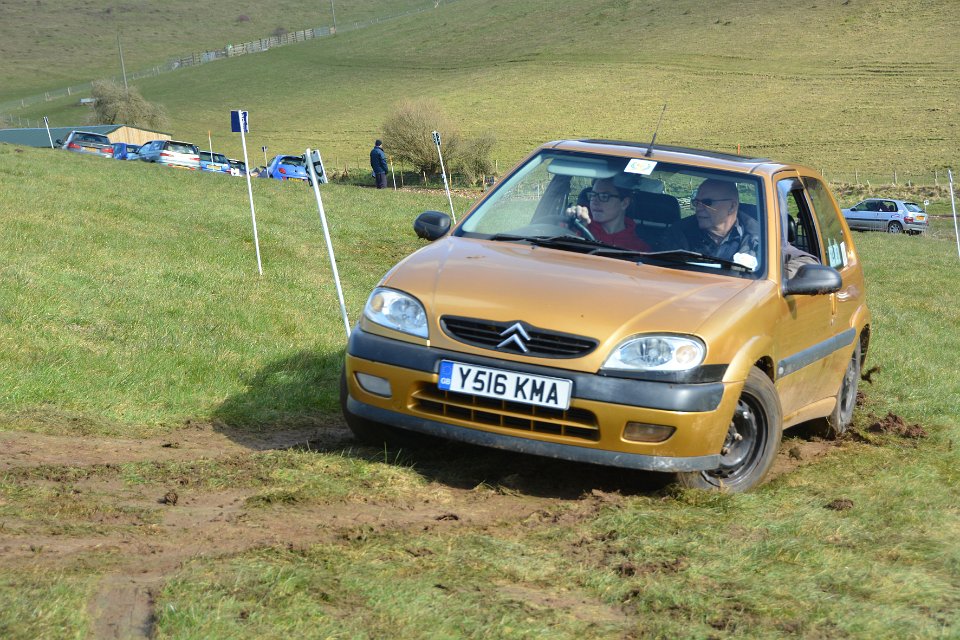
x,y
198,523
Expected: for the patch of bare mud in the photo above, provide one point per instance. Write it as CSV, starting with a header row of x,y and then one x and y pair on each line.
x,y
24,449
797,452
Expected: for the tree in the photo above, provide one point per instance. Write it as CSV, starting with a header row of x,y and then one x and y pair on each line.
x,y
474,161
407,135
115,105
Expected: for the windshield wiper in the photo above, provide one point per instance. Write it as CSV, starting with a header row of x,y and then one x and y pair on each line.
x,y
684,256
566,242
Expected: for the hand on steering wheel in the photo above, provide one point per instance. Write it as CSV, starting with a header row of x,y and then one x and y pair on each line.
x,y
578,219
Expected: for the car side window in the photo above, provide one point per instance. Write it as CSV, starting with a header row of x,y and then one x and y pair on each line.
x,y
797,218
831,230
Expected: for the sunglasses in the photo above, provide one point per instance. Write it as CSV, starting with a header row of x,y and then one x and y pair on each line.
x,y
708,202
602,197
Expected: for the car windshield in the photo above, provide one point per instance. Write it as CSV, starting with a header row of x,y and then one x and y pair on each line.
x,y
292,161
638,209
913,207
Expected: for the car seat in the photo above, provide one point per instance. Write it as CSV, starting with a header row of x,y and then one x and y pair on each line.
x,y
655,214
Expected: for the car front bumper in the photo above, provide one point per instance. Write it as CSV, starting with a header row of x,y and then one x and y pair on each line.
x,y
591,430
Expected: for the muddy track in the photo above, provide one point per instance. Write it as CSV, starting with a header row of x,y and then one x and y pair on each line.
x,y
192,522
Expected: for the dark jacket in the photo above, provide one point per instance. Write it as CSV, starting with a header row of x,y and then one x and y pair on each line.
x,y
744,238
378,160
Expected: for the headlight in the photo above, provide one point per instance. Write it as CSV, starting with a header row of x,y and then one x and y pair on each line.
x,y
396,310
657,353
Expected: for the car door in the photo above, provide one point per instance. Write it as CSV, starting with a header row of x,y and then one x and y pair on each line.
x,y
813,346
859,217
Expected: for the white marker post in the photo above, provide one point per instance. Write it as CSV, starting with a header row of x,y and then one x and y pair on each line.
x,y
314,180
436,141
392,173
953,204
46,123
240,123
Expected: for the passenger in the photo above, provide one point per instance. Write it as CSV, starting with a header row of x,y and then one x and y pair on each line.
x,y
606,216
794,258
717,230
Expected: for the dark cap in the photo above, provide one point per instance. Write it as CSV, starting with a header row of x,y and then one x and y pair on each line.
x,y
378,143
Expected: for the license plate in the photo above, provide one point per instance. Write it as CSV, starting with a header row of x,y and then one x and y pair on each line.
x,y
512,386
921,217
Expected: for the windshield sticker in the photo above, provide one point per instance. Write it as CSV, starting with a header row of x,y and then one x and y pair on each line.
x,y
643,167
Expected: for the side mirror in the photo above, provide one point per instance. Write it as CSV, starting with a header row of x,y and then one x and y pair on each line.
x,y
431,225
813,280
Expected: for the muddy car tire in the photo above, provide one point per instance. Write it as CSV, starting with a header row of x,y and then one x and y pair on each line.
x,y
836,423
752,441
373,433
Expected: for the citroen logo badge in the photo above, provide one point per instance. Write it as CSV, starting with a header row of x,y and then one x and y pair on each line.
x,y
513,335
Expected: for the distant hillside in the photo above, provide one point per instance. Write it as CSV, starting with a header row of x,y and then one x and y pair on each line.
x,y
854,87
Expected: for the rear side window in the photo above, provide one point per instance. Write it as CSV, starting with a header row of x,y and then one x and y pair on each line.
x,y
831,231
91,137
180,147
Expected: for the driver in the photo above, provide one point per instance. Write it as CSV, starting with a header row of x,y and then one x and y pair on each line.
x,y
606,218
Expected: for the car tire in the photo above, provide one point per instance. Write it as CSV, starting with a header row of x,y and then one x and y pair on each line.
x,y
374,433
758,421
894,227
839,420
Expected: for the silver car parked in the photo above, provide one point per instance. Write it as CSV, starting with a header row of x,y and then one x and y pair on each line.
x,y
172,153
885,214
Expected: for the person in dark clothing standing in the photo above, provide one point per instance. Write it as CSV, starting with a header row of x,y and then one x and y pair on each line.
x,y
378,162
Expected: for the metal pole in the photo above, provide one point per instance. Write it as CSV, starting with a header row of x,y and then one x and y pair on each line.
x,y
953,204
46,123
326,237
253,214
393,173
123,69
443,172
333,11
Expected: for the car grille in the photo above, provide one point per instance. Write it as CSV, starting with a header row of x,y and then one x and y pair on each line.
x,y
542,343
573,422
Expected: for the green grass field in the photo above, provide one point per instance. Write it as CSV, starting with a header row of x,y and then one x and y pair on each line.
x,y
859,88
143,356
132,309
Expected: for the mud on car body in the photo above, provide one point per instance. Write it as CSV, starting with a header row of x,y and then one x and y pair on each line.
x,y
517,330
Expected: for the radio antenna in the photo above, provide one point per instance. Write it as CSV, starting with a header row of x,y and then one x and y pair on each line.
x,y
650,148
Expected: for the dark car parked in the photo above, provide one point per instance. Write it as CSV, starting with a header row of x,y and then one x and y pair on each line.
x,y
86,142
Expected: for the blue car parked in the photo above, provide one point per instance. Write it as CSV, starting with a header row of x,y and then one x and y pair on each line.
x,y
126,151
286,168
215,162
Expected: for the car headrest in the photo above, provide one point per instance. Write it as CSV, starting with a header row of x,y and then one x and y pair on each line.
x,y
791,230
582,199
654,208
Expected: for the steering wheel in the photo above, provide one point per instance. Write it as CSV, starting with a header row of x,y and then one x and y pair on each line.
x,y
577,225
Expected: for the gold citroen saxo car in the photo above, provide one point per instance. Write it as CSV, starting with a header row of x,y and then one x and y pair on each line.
x,y
616,303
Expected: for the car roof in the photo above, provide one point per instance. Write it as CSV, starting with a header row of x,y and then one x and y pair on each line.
x,y
675,154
